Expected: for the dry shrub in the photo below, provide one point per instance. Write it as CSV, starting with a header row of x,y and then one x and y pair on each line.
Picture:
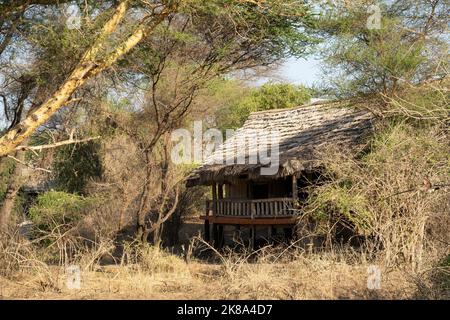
x,y
153,260
18,257
288,272
15,254
122,180
394,194
270,273
425,102
434,283
140,185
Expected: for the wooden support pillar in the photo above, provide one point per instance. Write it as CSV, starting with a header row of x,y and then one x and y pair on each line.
x,y
272,232
237,232
214,198
215,235
294,188
206,234
253,237
221,237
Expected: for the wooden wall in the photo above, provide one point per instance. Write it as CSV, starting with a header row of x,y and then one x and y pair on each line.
x,y
280,188
236,191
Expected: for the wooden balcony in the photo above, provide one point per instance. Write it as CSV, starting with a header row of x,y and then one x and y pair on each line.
x,y
251,212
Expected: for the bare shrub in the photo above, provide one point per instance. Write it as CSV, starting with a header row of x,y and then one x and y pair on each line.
x,y
393,194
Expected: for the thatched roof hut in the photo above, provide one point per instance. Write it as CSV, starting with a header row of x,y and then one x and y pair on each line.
x,y
303,133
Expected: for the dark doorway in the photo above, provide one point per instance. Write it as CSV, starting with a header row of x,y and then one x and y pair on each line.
x,y
260,191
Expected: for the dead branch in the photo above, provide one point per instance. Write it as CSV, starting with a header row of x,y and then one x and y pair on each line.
x,y
28,164
56,144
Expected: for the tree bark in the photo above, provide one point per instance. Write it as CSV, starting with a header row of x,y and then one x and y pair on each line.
x,y
141,232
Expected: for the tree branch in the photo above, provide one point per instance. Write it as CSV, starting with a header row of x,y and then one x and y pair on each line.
x,y
87,68
56,144
29,165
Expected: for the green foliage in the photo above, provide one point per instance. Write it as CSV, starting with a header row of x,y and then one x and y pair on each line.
x,y
267,97
354,208
76,165
383,185
56,208
279,27
280,96
363,60
422,105
6,170
56,47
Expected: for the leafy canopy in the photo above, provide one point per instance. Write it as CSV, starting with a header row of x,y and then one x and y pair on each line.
x,y
267,97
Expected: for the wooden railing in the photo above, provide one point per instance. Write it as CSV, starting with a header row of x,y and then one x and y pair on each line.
x,y
265,208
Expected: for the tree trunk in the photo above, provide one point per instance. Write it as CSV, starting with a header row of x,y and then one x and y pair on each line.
x,y
14,184
141,232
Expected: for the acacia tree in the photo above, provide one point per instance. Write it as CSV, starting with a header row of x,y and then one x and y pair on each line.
x,y
267,97
185,42
102,54
380,58
185,57
394,190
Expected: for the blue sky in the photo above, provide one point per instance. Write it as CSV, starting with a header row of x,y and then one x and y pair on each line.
x,y
298,71
301,71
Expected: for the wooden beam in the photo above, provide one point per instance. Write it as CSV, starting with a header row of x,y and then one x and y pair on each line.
x,y
288,221
206,235
272,232
221,237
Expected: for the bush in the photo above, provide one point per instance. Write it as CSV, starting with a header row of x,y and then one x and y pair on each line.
x,y
383,193
6,170
57,208
75,165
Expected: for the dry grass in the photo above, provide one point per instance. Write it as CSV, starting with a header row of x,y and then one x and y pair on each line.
x,y
382,194
151,273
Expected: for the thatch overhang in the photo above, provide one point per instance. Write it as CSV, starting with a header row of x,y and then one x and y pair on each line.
x,y
304,133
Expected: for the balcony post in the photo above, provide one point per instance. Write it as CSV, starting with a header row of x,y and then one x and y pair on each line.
x,y
294,188
220,191
214,196
215,235
253,209
253,237
206,235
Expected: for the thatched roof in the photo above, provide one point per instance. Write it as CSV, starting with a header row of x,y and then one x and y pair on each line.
x,y
303,133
